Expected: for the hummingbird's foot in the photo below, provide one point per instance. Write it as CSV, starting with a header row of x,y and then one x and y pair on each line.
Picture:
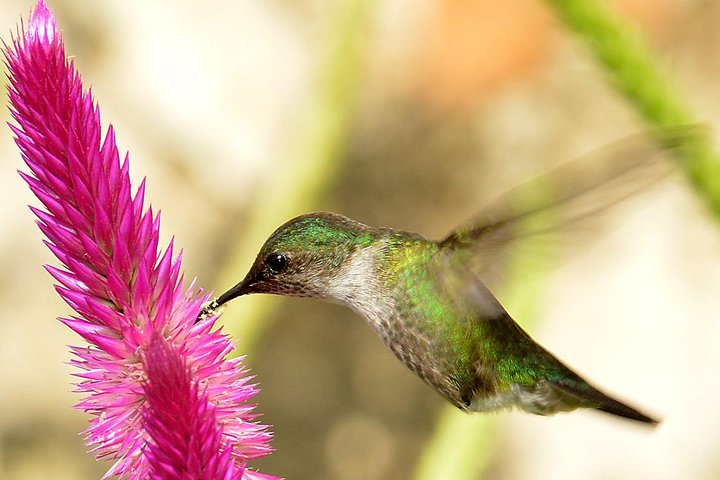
x,y
210,309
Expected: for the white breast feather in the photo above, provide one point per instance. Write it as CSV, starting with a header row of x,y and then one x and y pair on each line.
x,y
358,286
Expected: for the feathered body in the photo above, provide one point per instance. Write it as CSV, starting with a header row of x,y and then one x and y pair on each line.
x,y
430,309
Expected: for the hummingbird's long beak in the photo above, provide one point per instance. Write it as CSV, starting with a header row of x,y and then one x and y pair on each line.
x,y
239,289
211,308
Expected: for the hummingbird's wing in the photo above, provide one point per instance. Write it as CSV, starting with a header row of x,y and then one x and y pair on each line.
x,y
511,369
563,199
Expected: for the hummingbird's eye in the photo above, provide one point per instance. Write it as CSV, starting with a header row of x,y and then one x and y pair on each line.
x,y
276,262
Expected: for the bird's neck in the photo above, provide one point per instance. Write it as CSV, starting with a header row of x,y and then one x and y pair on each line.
x,y
359,285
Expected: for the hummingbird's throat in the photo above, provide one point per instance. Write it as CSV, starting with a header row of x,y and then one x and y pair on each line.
x,y
358,286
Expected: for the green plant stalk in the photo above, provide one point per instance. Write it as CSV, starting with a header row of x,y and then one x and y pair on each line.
x,y
631,68
311,162
462,446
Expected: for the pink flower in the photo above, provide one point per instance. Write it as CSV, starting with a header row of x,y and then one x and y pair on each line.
x,y
164,399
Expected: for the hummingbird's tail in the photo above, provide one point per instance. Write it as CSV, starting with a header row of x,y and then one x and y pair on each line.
x,y
588,396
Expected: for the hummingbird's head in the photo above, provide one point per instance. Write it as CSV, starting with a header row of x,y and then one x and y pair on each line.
x,y
303,257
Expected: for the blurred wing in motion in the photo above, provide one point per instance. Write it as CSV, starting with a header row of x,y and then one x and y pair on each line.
x,y
567,197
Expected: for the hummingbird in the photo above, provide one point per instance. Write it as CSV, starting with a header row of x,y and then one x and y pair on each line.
x,y
429,305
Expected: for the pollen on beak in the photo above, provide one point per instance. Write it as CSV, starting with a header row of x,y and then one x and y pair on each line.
x,y
213,307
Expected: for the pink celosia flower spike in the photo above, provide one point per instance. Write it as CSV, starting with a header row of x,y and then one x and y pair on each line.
x,y
165,401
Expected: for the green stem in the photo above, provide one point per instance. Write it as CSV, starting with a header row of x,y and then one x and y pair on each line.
x,y
632,69
312,159
462,445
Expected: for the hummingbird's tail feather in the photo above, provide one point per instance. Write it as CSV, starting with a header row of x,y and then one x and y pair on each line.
x,y
589,396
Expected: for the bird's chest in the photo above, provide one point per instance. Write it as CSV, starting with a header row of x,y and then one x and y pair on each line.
x,y
429,337
422,327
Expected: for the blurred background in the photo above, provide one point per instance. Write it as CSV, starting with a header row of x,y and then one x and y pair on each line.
x,y
401,113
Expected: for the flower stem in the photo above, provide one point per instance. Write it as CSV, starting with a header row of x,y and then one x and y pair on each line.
x,y
631,68
312,159
462,446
